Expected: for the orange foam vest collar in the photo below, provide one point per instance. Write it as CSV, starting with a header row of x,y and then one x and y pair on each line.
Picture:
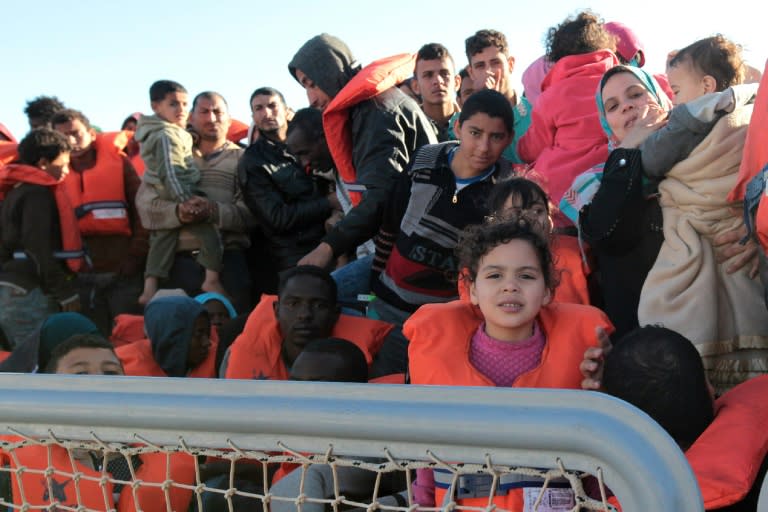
x,y
727,456
8,152
257,352
72,245
440,336
370,81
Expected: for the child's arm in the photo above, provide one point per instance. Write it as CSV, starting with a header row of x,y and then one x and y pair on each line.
x,y
688,125
168,154
176,162
395,209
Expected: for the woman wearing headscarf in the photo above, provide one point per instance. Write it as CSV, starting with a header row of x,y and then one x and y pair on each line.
x,y
617,205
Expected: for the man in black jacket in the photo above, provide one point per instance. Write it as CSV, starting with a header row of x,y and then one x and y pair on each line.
x,y
290,205
386,130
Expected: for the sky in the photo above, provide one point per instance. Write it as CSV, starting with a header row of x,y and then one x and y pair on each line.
x,y
100,57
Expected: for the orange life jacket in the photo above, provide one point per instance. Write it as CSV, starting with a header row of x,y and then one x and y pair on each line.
x,y
370,81
238,130
755,155
98,193
392,378
572,270
727,456
127,329
440,336
72,245
8,152
150,498
121,140
257,352
138,360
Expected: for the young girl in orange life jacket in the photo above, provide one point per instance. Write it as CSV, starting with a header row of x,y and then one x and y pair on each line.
x,y
510,334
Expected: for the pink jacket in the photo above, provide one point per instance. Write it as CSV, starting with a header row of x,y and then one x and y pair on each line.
x,y
565,136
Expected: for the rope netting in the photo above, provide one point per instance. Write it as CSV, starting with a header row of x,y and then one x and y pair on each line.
x,y
58,474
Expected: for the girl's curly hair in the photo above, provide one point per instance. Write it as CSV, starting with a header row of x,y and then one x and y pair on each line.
x,y
478,240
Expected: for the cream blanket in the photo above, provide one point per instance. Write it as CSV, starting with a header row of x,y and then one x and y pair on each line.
x,y
724,315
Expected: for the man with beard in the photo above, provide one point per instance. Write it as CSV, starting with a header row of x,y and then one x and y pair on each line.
x,y
290,204
217,159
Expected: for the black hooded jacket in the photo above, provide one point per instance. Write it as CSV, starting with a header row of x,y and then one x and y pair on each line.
x,y
290,205
386,132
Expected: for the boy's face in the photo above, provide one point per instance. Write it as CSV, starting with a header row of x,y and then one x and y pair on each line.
x,y
436,81
304,311
172,108
490,69
318,367
483,140
77,134
687,83
318,98
466,89
200,344
90,361
58,167
217,312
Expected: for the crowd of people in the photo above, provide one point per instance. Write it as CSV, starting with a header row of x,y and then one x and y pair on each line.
x,y
417,224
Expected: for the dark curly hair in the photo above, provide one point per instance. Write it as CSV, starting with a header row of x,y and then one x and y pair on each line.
x,y
584,33
478,240
67,115
42,143
482,39
715,56
42,109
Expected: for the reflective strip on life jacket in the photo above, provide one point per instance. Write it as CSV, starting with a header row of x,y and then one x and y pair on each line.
x,y
103,210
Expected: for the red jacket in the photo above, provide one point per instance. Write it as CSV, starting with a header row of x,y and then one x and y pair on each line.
x,y
257,352
8,152
565,136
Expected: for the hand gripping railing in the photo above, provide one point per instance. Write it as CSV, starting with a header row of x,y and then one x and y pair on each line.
x,y
587,430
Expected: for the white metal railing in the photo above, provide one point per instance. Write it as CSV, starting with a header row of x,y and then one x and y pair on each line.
x,y
639,462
